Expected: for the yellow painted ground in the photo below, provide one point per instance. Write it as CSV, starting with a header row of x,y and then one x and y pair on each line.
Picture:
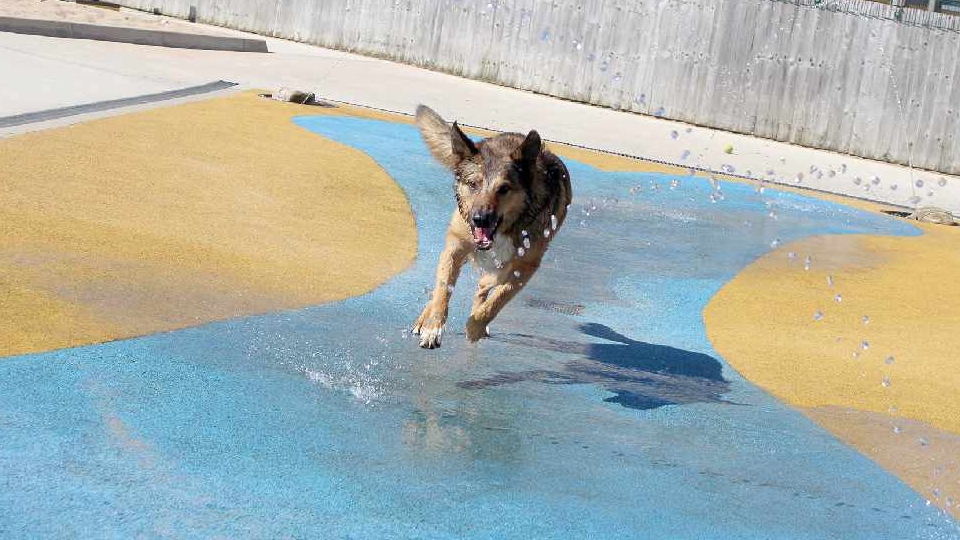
x,y
182,215
863,379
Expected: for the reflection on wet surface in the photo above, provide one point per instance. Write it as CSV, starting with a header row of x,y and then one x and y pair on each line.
x,y
641,375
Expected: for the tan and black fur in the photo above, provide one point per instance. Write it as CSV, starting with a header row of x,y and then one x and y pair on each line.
x,y
512,196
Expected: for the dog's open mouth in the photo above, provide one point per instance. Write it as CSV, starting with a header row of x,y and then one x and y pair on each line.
x,y
483,237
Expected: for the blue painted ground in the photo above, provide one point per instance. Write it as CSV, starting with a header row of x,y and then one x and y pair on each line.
x,y
599,410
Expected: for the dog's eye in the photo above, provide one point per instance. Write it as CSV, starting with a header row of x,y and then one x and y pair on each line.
x,y
503,189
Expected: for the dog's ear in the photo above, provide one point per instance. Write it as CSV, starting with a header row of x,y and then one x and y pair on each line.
x,y
528,150
463,147
448,145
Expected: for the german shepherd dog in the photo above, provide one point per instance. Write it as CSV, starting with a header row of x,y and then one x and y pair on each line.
x,y
512,196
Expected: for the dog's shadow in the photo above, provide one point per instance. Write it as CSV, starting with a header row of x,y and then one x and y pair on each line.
x,y
641,375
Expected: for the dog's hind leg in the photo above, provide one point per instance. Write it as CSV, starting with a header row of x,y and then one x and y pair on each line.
x,y
430,323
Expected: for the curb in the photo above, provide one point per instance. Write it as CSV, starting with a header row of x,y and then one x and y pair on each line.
x,y
159,38
63,112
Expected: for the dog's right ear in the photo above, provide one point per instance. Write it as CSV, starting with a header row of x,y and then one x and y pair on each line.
x,y
448,144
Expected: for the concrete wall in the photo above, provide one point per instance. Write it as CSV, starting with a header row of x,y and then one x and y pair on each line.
x,y
847,75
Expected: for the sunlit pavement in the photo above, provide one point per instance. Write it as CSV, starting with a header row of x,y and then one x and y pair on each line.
x,y
43,73
599,407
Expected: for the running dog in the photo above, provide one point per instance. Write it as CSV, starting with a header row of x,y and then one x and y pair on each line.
x,y
512,196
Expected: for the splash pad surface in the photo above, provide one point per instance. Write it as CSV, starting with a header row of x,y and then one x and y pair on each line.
x,y
598,408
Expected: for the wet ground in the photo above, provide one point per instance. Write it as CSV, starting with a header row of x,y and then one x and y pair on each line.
x,y
597,409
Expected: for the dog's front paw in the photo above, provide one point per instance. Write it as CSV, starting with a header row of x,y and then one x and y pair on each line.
x,y
476,329
429,329
430,336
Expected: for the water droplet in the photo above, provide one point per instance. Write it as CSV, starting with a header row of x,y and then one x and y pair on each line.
x,y
617,77
524,233
843,167
526,242
893,187
553,222
798,178
838,298
604,65
875,180
583,223
866,319
775,243
545,35
857,181
674,184
641,99
831,173
914,200
516,274
885,381
546,233
942,182
579,45
830,281
727,168
521,252
817,315
685,154
889,361
674,134
660,111
856,355
896,429
773,214
919,183
864,344
930,193
783,159
806,263
923,441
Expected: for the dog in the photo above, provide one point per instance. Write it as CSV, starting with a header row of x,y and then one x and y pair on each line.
x,y
512,196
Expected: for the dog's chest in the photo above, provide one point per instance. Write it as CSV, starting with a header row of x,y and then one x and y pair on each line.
x,y
496,258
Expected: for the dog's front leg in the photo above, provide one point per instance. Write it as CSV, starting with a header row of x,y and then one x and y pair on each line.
x,y
430,323
491,298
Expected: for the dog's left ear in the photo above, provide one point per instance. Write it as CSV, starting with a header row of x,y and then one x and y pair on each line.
x,y
529,149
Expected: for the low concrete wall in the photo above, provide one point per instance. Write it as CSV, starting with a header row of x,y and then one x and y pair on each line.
x,y
847,75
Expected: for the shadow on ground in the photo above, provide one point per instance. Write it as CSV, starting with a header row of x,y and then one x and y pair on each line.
x,y
642,375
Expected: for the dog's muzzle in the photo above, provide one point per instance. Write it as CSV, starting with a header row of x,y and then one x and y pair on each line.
x,y
484,226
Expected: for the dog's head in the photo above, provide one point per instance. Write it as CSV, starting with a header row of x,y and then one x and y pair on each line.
x,y
493,176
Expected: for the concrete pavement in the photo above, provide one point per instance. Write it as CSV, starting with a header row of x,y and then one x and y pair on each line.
x,y
38,68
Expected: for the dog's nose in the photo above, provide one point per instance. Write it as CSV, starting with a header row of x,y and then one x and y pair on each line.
x,y
483,219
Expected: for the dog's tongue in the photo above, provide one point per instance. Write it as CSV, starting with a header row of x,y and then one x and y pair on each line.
x,y
482,237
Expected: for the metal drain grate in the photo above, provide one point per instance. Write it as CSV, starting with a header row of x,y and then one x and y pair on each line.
x,y
560,307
